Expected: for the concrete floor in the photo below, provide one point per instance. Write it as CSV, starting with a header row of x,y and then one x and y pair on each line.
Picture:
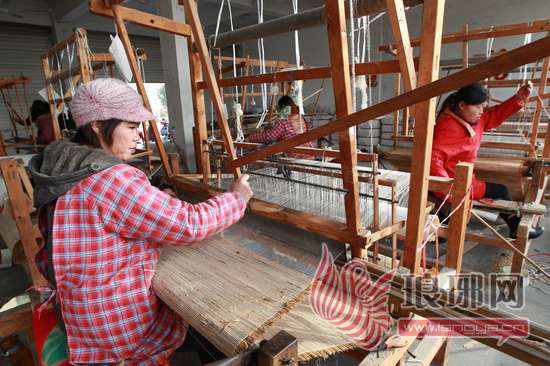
x,y
465,352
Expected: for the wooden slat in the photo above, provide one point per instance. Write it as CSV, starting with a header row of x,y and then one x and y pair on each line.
x,y
63,44
199,112
130,54
192,16
381,67
425,351
141,18
387,231
465,49
540,101
512,206
21,215
459,220
47,75
255,62
432,26
392,357
328,153
15,320
397,86
101,57
522,243
398,21
493,66
337,37
488,32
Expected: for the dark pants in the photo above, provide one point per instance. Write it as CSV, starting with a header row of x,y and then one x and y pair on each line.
x,y
497,191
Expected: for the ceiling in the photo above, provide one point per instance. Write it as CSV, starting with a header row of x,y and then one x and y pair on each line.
x,y
73,13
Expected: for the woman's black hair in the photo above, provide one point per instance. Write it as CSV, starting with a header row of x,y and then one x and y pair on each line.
x,y
85,135
470,94
285,101
38,108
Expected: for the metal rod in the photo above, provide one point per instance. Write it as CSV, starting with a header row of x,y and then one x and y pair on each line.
x,y
304,19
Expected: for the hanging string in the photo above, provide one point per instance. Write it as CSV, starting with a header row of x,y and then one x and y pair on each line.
x,y
237,107
523,70
296,39
297,84
141,65
70,57
261,53
61,90
352,42
87,49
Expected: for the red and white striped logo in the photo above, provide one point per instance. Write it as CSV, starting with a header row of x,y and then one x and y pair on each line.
x,y
350,301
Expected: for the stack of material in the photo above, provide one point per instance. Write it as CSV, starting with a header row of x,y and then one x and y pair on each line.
x,y
239,288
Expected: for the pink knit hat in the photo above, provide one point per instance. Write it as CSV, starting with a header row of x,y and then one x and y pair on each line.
x,y
103,99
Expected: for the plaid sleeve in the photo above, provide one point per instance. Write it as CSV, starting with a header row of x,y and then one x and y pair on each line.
x,y
269,134
131,207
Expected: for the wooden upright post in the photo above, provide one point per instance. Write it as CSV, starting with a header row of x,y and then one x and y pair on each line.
x,y
430,46
465,53
49,89
199,111
21,214
337,37
119,22
540,105
396,113
459,220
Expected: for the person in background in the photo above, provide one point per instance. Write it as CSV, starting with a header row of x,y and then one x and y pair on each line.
x,y
40,115
290,124
105,227
460,124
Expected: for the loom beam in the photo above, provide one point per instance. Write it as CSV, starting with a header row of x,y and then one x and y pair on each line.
x,y
306,19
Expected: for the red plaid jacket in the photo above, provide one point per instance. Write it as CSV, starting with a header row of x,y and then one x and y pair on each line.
x,y
108,233
282,130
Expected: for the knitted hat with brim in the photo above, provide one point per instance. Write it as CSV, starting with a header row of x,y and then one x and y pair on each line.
x,y
104,99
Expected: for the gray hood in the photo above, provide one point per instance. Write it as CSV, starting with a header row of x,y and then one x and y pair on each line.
x,y
62,165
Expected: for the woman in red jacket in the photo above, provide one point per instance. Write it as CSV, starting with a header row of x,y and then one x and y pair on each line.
x,y
457,137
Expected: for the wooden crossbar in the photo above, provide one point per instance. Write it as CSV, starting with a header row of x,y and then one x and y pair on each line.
x,y
491,67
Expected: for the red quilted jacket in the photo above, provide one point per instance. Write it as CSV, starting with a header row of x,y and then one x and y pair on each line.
x,y
457,141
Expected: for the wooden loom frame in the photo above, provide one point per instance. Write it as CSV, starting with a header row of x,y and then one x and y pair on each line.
x,y
7,84
429,89
479,34
488,68
87,64
403,49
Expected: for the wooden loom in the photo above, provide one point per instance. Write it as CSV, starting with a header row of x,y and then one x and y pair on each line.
x,y
88,66
523,175
166,281
18,109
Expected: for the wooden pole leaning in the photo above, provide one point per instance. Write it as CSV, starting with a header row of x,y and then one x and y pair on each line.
x,y
123,33
192,16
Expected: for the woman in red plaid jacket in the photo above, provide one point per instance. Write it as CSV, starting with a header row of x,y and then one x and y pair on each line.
x,y
106,226
291,123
